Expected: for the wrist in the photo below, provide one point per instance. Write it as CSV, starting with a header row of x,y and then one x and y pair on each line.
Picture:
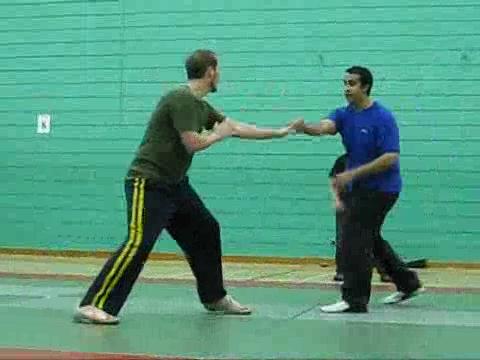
x,y
302,129
277,133
355,173
214,137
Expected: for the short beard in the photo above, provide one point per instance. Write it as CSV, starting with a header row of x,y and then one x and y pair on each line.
x,y
213,87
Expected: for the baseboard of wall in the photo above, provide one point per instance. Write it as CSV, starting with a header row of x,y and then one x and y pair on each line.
x,y
227,258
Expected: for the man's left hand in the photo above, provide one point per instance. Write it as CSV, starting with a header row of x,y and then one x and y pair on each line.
x,y
342,179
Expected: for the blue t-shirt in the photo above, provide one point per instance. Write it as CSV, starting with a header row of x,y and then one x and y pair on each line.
x,y
366,135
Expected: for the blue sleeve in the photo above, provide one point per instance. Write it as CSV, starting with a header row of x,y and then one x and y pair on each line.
x,y
337,117
388,137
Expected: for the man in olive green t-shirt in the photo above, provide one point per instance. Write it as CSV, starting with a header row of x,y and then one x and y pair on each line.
x,y
159,197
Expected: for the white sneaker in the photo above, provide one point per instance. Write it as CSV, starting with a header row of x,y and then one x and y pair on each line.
x,y
228,305
91,315
341,307
400,296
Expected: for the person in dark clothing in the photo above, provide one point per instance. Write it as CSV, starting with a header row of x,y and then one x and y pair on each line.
x,y
160,197
373,183
338,195
338,199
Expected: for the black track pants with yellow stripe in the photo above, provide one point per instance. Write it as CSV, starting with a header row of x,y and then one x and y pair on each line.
x,y
152,208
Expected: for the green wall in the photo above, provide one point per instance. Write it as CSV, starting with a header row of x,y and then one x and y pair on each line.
x,y
99,68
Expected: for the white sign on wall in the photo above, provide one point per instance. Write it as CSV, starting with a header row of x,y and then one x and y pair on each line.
x,y
43,123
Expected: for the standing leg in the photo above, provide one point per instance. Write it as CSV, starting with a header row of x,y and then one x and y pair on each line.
x,y
405,279
149,210
197,232
358,237
357,251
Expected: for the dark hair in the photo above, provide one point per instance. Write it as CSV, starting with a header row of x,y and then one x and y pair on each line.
x,y
198,62
366,77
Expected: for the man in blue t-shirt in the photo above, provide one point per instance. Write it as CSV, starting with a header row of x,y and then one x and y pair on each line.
x,y
373,183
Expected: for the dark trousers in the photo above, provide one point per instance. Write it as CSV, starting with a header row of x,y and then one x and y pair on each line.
x,y
338,243
152,208
362,244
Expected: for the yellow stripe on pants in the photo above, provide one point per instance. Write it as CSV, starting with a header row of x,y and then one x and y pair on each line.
x,y
135,245
130,241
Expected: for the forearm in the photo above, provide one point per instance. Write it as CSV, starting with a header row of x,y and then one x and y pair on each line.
x,y
252,132
314,130
324,127
203,141
376,166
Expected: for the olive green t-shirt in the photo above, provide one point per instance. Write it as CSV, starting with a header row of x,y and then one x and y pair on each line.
x,y
161,155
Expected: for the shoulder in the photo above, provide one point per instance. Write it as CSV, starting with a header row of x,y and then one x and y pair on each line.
x,y
342,111
339,116
179,95
383,112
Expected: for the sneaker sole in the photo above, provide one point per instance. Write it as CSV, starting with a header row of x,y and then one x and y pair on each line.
x,y
411,296
347,311
82,319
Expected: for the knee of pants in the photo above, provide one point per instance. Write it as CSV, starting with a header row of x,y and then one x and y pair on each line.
x,y
358,258
379,243
210,230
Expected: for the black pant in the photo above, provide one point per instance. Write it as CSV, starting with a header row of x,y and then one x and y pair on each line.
x,y
338,243
152,208
362,243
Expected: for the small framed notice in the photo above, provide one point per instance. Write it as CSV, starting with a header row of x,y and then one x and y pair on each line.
x,y
43,123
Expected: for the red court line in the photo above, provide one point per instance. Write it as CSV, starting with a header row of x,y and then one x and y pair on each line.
x,y
31,354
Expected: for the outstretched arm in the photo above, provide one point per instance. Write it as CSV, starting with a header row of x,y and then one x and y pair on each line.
x,y
246,131
324,127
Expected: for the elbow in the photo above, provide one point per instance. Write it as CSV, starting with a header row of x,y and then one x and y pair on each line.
x,y
194,146
190,149
328,130
327,127
190,143
236,130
